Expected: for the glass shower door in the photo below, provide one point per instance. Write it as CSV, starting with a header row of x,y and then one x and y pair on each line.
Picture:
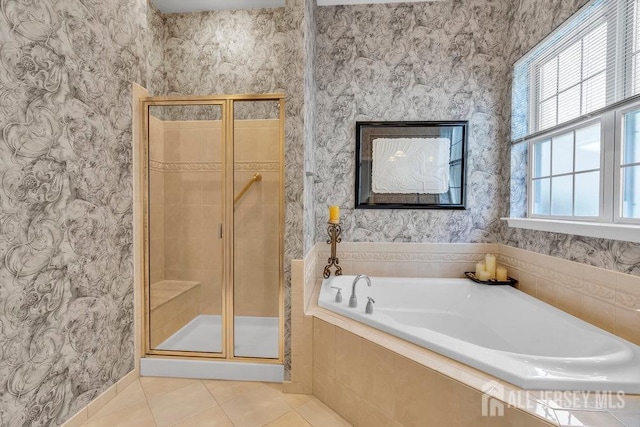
x,y
257,229
185,300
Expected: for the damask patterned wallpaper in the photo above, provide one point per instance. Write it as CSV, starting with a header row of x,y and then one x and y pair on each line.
x,y
157,74
423,61
434,61
66,276
310,32
531,21
225,52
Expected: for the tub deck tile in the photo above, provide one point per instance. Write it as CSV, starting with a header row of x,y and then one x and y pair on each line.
x,y
587,419
466,374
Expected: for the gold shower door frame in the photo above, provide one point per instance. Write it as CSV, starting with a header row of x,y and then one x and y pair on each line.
x,y
226,102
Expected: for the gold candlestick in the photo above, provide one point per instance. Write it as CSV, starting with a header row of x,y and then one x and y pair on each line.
x,y
334,231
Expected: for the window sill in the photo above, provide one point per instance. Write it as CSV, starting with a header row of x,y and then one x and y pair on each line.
x,y
623,232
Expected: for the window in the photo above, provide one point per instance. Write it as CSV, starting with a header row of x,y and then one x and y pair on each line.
x,y
575,104
565,175
589,170
630,165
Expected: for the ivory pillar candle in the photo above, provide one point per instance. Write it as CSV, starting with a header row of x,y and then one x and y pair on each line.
x,y
501,274
480,267
490,261
483,276
334,214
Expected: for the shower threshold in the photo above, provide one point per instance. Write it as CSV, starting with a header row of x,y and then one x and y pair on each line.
x,y
254,336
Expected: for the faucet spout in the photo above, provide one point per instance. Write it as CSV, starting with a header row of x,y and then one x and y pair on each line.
x,y
353,301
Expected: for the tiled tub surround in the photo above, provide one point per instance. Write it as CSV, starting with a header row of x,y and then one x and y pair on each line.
x,y
447,260
605,298
496,329
371,378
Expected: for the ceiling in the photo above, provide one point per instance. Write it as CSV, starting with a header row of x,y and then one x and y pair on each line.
x,y
177,6
338,2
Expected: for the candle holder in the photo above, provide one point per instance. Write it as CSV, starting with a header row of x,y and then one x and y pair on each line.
x,y
334,231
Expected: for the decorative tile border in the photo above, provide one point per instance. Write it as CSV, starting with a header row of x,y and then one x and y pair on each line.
x,y
596,295
257,166
631,302
600,292
405,256
159,166
604,293
155,165
543,272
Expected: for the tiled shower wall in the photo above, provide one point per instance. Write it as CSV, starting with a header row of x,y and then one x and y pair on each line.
x,y
256,217
192,209
186,211
157,240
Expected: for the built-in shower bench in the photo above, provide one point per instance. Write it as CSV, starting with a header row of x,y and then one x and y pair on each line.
x,y
173,304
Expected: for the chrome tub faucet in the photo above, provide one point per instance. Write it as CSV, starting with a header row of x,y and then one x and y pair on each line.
x,y
353,301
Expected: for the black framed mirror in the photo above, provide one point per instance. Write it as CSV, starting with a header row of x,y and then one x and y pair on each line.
x,y
411,165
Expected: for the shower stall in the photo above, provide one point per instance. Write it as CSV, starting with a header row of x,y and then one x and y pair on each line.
x,y
214,226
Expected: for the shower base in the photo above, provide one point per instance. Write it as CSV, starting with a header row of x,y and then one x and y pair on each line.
x,y
254,336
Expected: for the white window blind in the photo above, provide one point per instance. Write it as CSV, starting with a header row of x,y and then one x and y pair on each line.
x,y
589,63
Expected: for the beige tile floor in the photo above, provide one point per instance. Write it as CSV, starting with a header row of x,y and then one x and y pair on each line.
x,y
157,401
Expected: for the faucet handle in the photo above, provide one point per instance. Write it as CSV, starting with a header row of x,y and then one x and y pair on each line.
x,y
338,294
369,308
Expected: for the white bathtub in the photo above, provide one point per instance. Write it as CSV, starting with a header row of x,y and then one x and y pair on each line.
x,y
496,329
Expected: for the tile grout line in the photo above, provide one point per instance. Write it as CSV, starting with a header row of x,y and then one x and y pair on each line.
x,y
93,417
330,414
220,404
197,413
196,380
146,399
302,415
